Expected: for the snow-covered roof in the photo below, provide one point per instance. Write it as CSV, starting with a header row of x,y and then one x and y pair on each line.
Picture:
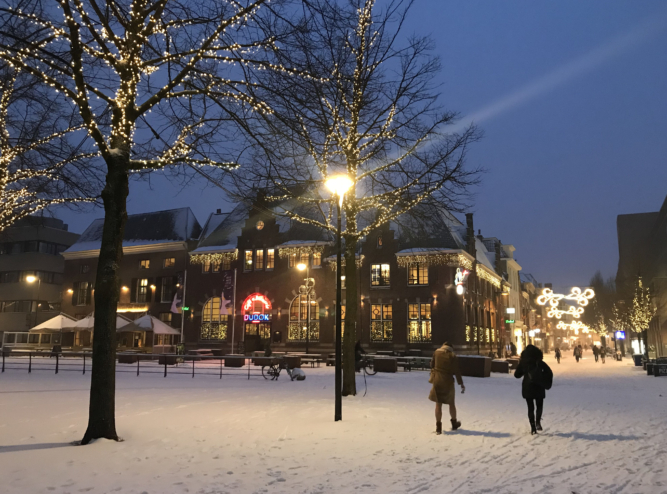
x,y
214,248
174,225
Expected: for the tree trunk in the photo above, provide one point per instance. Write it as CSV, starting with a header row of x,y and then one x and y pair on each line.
x,y
101,412
351,307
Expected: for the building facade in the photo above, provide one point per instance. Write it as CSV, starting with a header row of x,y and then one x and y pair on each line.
x,y
155,259
31,271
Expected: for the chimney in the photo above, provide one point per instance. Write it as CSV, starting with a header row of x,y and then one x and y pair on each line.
x,y
470,234
218,211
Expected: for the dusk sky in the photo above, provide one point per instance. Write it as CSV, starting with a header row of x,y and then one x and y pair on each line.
x,y
572,99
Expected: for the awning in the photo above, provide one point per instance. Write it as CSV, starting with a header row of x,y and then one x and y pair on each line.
x,y
149,323
55,324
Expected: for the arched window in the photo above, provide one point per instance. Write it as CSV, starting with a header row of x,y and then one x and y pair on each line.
x,y
213,325
298,320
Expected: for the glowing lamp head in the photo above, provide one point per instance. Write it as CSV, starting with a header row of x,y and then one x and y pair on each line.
x,y
460,289
339,184
152,287
70,291
124,288
301,266
31,278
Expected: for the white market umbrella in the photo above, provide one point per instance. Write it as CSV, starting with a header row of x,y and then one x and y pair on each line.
x,y
88,322
58,323
149,323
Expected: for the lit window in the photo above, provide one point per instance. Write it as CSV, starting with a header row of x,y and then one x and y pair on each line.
x,y
213,324
380,275
169,262
342,282
298,320
166,317
144,264
142,290
304,258
215,266
419,323
206,267
381,323
259,259
270,258
247,264
292,260
379,241
226,263
417,274
317,259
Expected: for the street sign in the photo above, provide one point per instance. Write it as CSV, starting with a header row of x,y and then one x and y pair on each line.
x,y
509,321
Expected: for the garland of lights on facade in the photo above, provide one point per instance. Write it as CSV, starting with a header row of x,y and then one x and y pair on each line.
x,y
443,259
286,252
214,257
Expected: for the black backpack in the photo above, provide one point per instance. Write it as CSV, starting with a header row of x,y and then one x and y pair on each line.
x,y
546,375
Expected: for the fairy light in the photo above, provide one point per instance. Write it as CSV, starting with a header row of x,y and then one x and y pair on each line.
x,y
576,294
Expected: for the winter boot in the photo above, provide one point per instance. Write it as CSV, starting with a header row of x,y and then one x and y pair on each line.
x,y
438,427
455,424
538,425
533,430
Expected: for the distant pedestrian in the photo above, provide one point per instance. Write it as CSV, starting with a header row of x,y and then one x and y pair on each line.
x,y
359,352
537,378
512,349
596,352
603,353
444,367
577,352
557,353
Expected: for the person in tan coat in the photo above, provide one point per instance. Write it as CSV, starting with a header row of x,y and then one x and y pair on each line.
x,y
444,366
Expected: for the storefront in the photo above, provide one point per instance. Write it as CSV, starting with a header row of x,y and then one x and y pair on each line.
x,y
256,310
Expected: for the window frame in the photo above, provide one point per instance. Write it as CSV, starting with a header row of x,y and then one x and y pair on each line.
x,y
422,274
144,264
270,259
168,262
381,281
421,314
141,286
259,259
247,262
383,324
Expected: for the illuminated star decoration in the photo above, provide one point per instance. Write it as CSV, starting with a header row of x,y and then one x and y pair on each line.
x,y
573,311
575,326
553,299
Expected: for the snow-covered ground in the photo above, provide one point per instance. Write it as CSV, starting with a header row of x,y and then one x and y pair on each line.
x,y
605,432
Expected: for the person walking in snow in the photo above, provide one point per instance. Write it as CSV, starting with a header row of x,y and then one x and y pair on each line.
x,y
577,352
603,353
444,367
596,352
537,378
557,354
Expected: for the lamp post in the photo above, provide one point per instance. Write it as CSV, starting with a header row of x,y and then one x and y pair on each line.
x,y
309,287
339,185
31,279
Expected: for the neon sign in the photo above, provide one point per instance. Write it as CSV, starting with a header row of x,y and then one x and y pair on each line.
x,y
256,318
249,303
620,335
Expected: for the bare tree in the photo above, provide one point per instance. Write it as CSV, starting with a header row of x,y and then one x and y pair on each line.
x,y
153,81
369,110
44,157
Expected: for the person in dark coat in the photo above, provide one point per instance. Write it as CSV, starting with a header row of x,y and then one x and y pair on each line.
x,y
577,352
596,352
557,354
512,349
603,353
537,378
358,353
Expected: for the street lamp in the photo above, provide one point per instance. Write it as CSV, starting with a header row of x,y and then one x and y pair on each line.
x,y
31,279
339,185
301,266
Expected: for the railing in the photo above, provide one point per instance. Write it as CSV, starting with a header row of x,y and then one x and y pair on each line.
x,y
202,365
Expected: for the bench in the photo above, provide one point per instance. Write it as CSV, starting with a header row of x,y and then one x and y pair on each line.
x,y
312,361
200,353
234,360
385,364
502,366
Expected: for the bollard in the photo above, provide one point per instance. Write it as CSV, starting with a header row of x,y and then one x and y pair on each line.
x,y
29,362
221,368
3,360
84,362
193,367
57,360
165,366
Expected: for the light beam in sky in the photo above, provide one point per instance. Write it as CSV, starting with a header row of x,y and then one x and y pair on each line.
x,y
587,62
